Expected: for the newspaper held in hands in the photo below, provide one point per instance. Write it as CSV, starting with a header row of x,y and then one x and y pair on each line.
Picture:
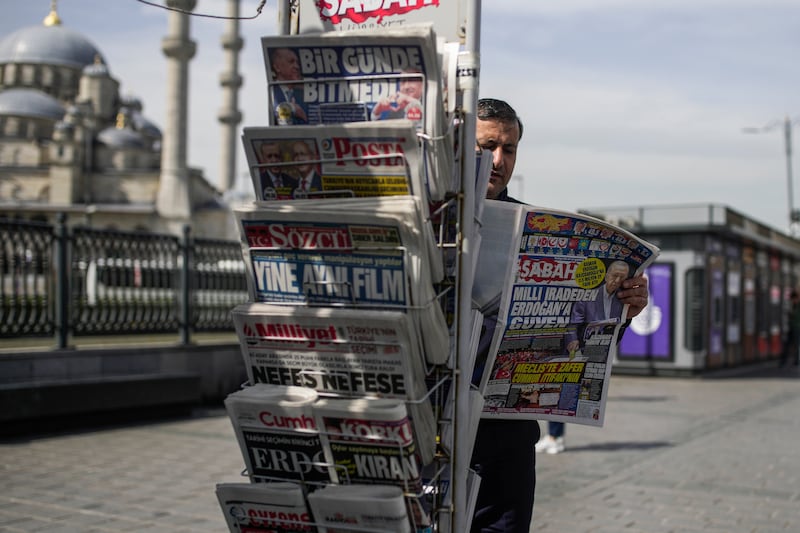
x,y
559,319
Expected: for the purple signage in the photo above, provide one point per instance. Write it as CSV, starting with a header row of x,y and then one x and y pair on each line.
x,y
649,335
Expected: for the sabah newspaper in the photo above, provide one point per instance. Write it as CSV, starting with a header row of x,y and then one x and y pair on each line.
x,y
558,317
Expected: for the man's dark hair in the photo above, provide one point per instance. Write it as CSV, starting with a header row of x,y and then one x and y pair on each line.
x,y
493,109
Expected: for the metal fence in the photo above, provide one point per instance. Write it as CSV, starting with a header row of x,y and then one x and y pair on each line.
x,y
63,282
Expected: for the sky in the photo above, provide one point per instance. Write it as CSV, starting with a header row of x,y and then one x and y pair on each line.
x,y
625,103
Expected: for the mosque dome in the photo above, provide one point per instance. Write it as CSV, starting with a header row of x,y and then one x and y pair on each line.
x,y
120,138
30,103
51,45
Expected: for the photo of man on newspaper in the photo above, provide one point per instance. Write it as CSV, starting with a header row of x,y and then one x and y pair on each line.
x,y
605,309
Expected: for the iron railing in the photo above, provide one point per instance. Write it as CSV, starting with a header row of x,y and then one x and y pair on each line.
x,y
80,282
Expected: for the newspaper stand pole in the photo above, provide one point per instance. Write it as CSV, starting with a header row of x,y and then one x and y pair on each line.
x,y
467,78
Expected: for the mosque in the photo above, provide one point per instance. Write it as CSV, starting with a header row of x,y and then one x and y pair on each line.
x,y
70,143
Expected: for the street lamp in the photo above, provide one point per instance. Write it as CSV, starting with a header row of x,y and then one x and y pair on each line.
x,y
794,214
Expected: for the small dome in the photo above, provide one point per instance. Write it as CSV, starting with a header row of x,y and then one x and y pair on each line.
x,y
30,103
140,123
49,45
121,138
131,102
97,69
64,126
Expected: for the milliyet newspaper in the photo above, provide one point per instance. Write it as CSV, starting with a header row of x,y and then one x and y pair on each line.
x,y
559,319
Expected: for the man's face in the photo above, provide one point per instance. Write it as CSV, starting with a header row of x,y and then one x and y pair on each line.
x,y
411,87
271,153
614,278
301,154
286,65
501,139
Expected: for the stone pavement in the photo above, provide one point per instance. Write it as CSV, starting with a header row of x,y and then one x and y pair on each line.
x,y
713,454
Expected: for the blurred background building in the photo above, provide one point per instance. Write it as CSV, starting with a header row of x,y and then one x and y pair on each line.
x,y
71,143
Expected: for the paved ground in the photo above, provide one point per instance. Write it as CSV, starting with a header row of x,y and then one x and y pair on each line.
x,y
716,454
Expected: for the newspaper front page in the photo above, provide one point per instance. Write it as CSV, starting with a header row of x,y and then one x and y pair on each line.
x,y
338,352
366,508
339,77
278,507
559,319
448,16
277,433
371,441
364,253
347,160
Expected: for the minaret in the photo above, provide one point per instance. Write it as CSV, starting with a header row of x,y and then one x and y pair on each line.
x,y
173,201
230,116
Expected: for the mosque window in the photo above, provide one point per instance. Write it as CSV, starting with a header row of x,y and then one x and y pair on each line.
x,y
11,127
9,74
28,75
48,76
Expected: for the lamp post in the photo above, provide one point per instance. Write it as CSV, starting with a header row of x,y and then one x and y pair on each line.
x,y
794,214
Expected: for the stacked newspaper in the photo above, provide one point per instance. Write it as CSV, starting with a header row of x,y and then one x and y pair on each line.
x,y
357,76
342,352
363,159
559,319
277,433
264,507
351,311
372,442
364,253
343,508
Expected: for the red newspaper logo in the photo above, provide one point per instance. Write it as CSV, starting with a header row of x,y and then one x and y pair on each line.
x,y
358,11
540,270
278,235
368,152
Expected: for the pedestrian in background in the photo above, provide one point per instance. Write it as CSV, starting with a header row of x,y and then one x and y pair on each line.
x,y
790,344
553,442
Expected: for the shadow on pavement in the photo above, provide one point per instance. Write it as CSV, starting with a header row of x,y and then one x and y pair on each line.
x,y
633,398
620,445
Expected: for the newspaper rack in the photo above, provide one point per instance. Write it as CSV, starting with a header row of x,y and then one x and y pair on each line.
x,y
442,177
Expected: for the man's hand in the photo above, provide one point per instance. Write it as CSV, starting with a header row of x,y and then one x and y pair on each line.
x,y
634,293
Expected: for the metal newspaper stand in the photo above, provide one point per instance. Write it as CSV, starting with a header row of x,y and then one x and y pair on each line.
x,y
450,472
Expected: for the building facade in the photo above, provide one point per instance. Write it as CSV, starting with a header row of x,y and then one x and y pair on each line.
x,y
70,143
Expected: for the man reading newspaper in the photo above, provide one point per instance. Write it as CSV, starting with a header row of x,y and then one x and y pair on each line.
x,y
504,449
